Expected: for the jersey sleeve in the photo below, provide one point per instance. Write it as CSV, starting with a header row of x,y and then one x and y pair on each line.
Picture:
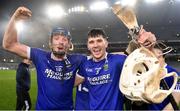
x,y
36,54
82,70
121,58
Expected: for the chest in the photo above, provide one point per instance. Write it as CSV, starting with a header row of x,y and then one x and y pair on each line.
x,y
102,72
57,70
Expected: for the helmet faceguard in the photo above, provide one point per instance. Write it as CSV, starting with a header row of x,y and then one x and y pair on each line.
x,y
141,76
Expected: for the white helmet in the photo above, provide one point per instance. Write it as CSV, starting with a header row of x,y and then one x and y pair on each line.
x,y
141,76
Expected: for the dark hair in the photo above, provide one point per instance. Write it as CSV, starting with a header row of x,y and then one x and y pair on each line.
x,y
96,32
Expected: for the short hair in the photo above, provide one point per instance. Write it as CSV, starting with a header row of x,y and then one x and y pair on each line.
x,y
96,32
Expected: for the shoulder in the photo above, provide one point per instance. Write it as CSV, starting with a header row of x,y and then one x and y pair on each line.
x,y
37,54
117,56
171,69
76,57
20,65
117,59
38,50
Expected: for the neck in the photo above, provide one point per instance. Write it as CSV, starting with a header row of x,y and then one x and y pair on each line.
x,y
57,57
101,58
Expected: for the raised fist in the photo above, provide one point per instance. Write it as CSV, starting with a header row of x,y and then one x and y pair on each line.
x,y
22,13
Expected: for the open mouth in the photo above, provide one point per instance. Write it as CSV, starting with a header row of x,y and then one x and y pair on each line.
x,y
96,51
60,48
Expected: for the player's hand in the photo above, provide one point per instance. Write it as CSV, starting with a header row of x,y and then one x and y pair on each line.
x,y
22,13
146,39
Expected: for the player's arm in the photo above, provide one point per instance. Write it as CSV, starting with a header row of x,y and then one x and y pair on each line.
x,y
10,39
78,80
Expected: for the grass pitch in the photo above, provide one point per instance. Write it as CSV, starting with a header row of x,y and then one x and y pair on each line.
x,y
8,89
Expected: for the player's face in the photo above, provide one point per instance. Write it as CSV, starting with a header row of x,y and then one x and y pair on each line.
x,y
60,43
97,46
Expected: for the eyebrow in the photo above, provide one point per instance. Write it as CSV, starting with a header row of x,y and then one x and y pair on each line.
x,y
90,41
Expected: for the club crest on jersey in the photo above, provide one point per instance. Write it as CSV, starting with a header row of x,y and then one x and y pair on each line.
x,y
105,67
58,68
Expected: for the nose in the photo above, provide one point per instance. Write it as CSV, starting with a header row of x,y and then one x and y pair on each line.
x,y
95,44
60,42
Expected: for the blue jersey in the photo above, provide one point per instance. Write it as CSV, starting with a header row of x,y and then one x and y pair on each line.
x,y
169,81
55,86
82,97
103,82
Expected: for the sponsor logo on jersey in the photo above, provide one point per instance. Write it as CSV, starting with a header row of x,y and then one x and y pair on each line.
x,y
103,79
58,74
89,70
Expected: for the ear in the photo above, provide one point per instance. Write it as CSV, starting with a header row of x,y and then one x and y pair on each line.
x,y
88,47
106,43
50,44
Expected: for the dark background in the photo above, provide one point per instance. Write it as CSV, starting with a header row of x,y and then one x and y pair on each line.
x,y
162,18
